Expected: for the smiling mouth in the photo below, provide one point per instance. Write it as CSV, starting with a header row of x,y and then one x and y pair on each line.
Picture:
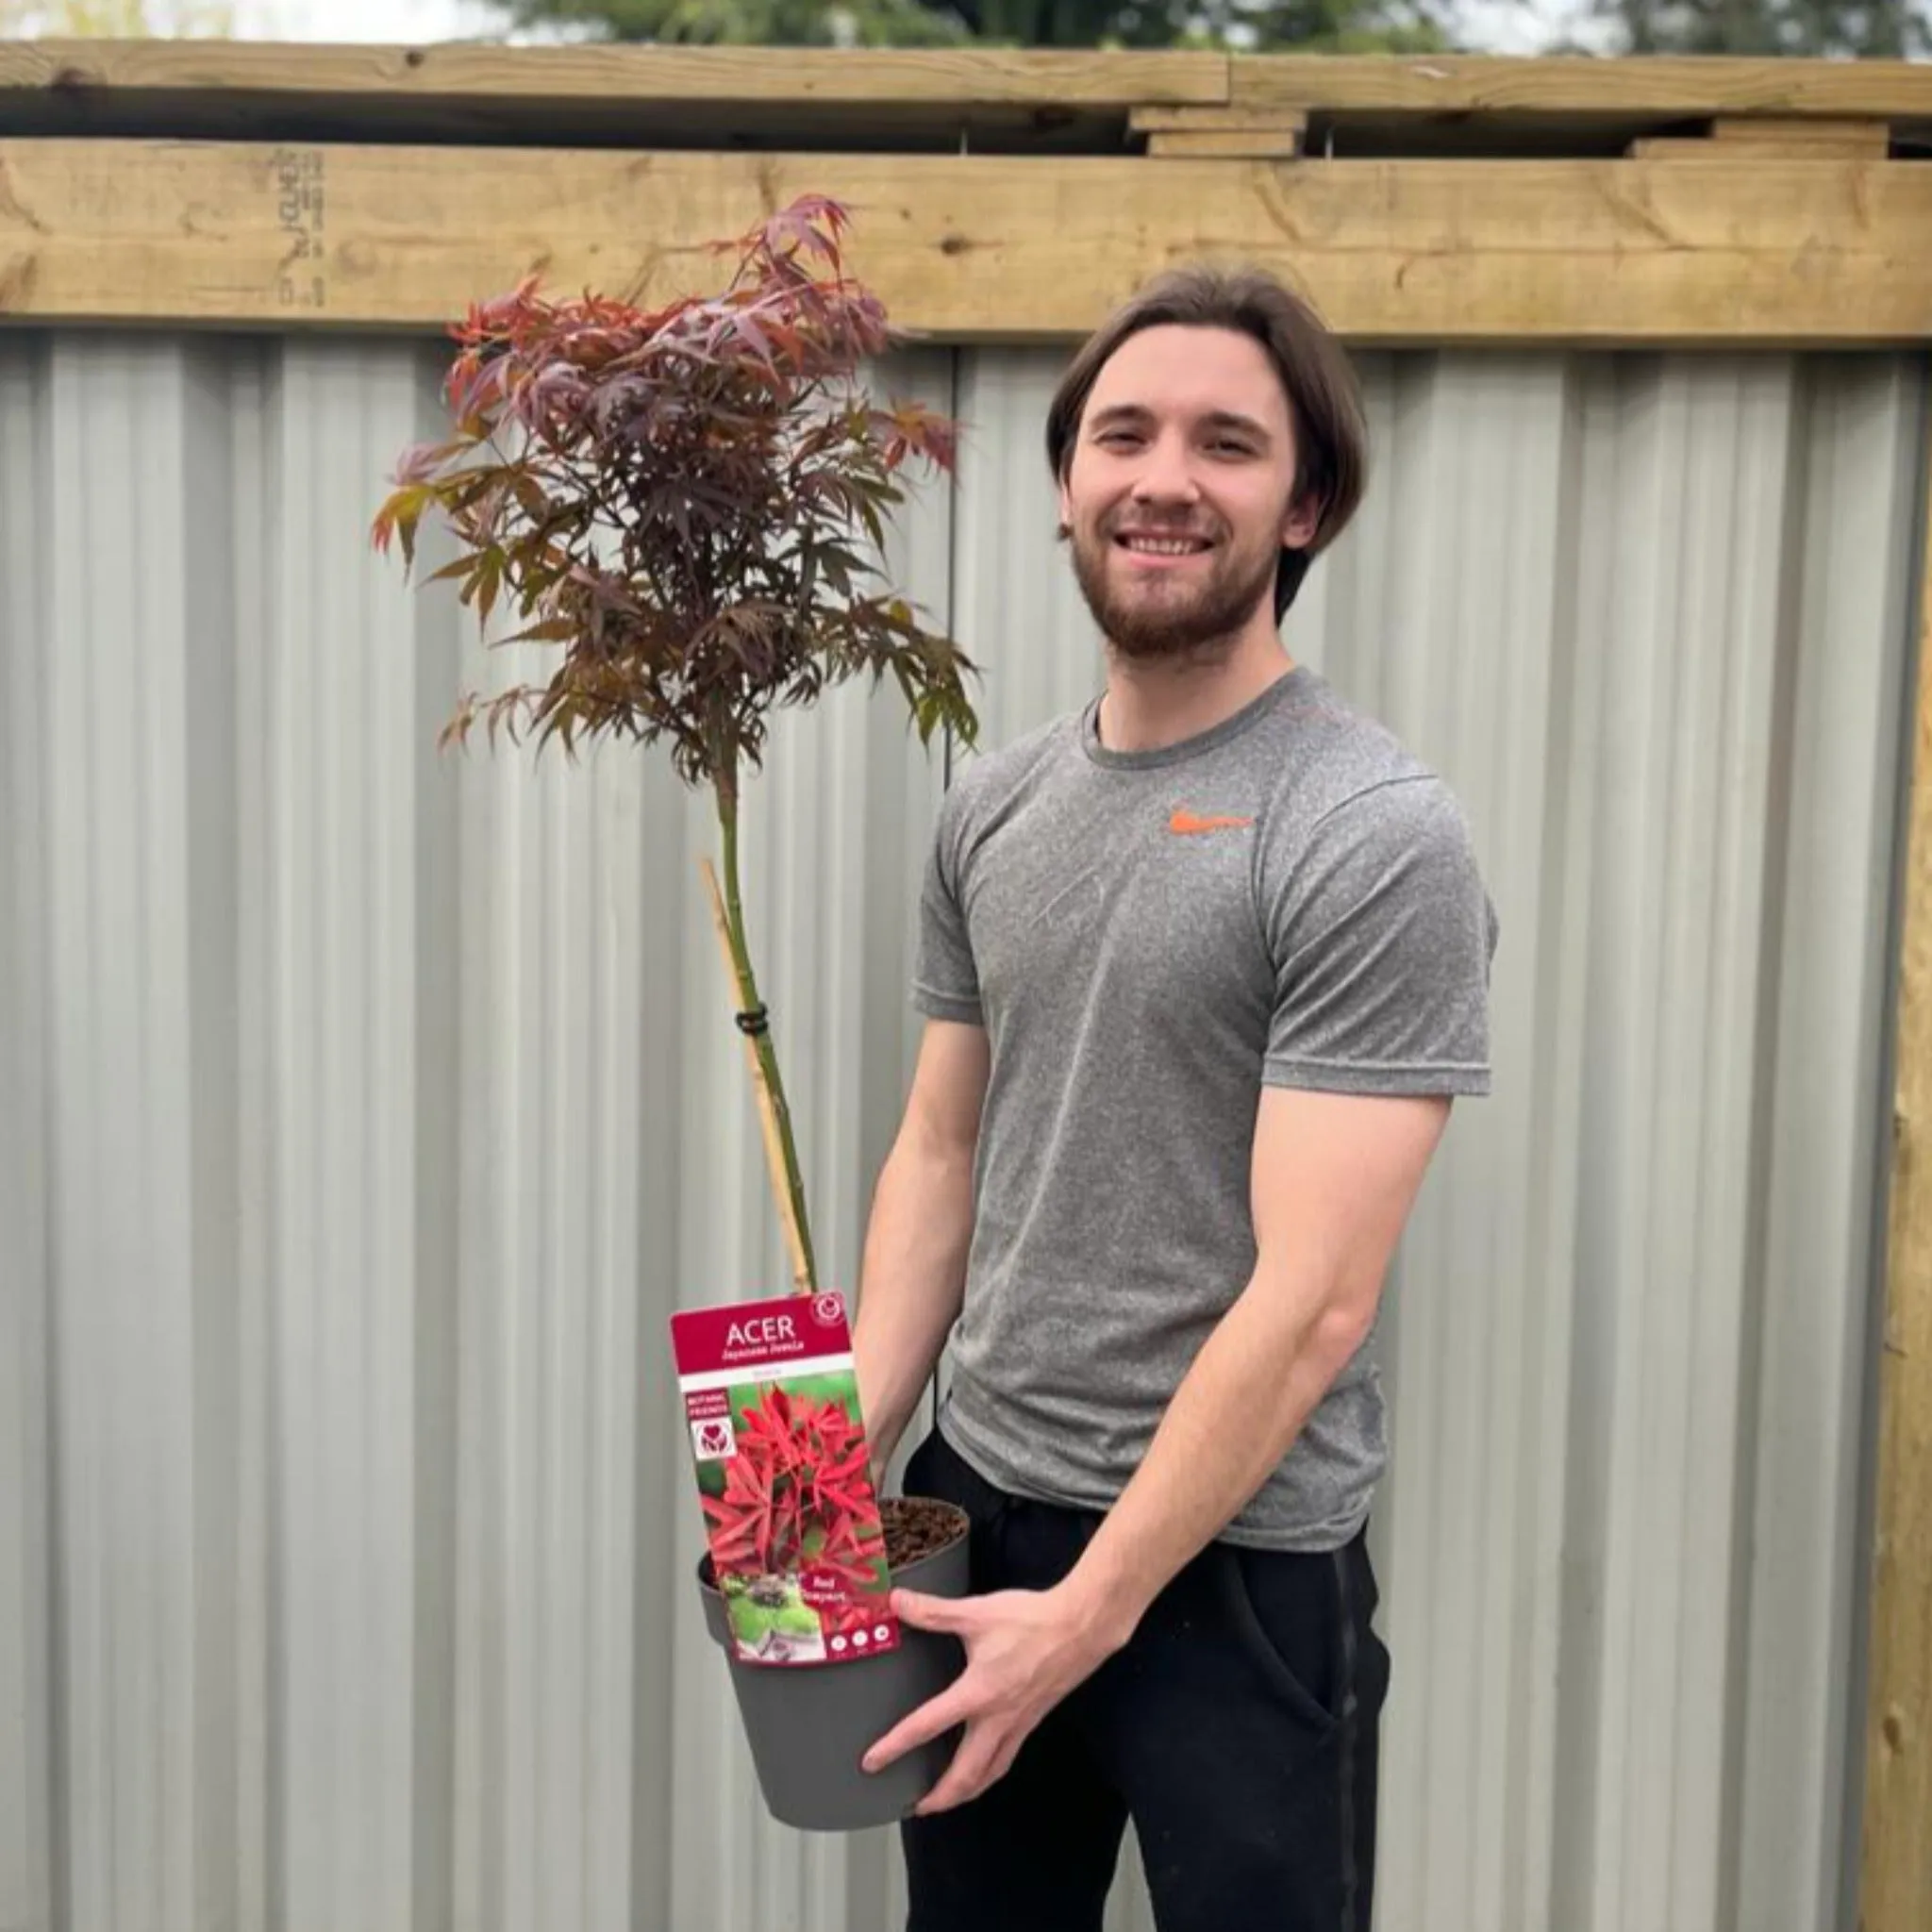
x,y
1163,546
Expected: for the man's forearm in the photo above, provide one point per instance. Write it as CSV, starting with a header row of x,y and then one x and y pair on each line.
x,y
1254,1385
911,1282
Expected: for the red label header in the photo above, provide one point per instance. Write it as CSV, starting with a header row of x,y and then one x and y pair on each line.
x,y
756,1334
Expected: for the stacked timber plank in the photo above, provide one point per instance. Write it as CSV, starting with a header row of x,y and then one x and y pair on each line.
x,y
1000,195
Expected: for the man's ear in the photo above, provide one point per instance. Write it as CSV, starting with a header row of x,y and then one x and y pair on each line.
x,y
1066,503
1303,519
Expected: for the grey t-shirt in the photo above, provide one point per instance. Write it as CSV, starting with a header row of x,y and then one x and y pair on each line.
x,y
1147,938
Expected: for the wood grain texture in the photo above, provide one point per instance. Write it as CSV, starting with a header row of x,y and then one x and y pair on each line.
x,y
1214,120
940,77
1732,137
979,248
1865,137
1220,145
1344,84
1896,1873
1672,148
1609,89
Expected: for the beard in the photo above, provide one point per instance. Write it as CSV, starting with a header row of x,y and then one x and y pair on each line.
x,y
1164,617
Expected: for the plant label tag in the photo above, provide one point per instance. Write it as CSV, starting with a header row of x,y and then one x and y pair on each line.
x,y
798,1551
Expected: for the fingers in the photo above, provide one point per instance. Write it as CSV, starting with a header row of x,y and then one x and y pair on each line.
x,y
962,1784
954,1615
982,1760
933,1719
951,1706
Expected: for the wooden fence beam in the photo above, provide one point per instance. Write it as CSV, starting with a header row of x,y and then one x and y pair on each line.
x,y
940,77
1895,1892
1228,143
979,248
1762,131
1221,133
1730,140
1581,88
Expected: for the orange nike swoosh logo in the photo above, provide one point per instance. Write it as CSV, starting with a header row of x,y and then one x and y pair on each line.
x,y
1191,822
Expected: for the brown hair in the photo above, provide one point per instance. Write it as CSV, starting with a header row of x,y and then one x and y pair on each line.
x,y
1324,402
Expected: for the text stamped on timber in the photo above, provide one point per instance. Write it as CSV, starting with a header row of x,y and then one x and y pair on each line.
x,y
298,178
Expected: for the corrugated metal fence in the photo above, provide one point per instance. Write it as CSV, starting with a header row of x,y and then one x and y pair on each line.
x,y
364,1113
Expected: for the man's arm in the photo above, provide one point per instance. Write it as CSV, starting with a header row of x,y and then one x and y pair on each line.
x,y
914,1275
1334,1178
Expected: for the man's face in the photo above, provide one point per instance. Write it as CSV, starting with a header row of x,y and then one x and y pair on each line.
x,y
1179,495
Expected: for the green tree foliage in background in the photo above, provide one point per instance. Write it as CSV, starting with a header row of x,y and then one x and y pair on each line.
x,y
121,20
751,23
1316,25
1875,29
1855,29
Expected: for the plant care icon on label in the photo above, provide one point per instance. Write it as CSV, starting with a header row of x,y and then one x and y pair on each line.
x,y
784,1470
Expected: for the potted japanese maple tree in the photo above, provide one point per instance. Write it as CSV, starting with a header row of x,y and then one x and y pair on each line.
x,y
688,501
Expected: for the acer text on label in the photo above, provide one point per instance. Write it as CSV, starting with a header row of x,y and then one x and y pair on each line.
x,y
767,1332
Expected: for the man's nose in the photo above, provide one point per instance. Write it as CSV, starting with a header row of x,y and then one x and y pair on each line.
x,y
1166,476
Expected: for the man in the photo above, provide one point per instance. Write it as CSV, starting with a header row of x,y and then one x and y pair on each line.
x,y
1203,967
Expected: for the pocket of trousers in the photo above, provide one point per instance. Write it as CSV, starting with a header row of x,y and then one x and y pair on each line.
x,y
1287,1611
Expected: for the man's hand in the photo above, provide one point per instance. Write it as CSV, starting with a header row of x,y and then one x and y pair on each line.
x,y
1026,1650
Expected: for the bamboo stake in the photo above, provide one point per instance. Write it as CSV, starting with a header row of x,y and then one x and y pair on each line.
x,y
768,1112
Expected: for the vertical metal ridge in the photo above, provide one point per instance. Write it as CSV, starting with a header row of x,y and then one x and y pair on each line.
x,y
664,1168
255,1674
203,734
342,943
436,996
31,1770
120,1172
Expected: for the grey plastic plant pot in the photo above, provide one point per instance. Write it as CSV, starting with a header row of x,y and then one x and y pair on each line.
x,y
809,1724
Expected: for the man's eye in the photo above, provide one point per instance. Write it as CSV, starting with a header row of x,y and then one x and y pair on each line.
x,y
1229,446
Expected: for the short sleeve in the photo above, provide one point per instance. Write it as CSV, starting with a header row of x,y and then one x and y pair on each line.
x,y
946,981
1381,935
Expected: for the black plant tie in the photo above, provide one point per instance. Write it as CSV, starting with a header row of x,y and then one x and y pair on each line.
x,y
756,1021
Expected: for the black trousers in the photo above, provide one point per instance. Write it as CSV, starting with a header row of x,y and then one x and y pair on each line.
x,y
1237,1730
